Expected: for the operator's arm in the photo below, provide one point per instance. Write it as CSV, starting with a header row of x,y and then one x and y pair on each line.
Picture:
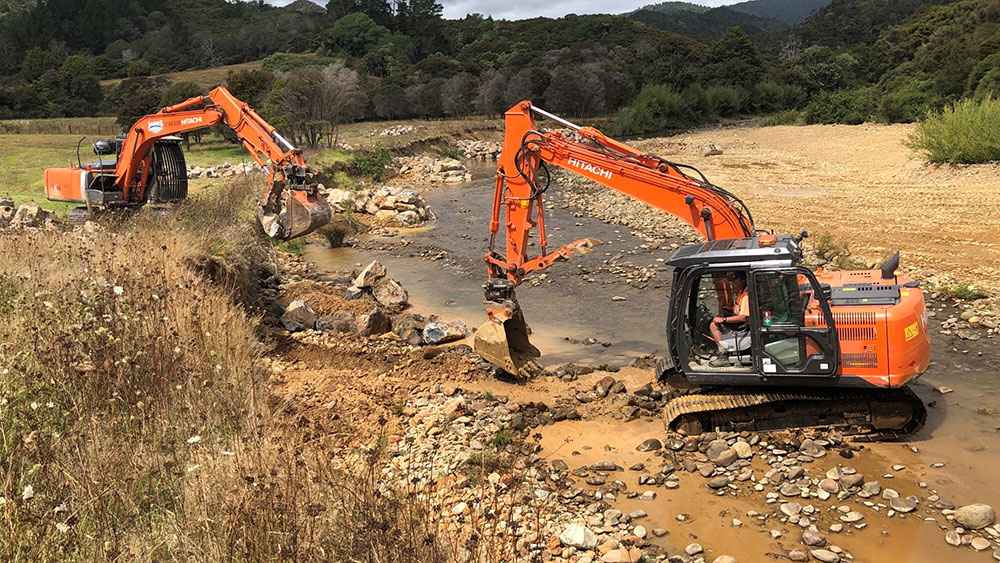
x,y
742,314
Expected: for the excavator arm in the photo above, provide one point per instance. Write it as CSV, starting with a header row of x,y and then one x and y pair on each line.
x,y
290,207
677,189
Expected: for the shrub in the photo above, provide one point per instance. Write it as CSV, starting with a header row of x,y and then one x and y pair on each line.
x,y
906,105
656,108
851,107
697,102
767,97
372,163
445,151
966,291
726,101
787,117
967,132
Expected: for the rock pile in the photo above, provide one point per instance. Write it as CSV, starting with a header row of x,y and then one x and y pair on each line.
x,y
486,150
432,170
397,130
28,216
389,204
224,170
385,318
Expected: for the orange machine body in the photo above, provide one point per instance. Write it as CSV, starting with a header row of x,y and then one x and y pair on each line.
x,y
884,345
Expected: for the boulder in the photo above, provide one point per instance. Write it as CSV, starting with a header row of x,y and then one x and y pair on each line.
x,y
370,275
975,516
649,445
298,316
390,294
408,218
623,555
31,215
438,332
409,326
374,323
578,536
341,322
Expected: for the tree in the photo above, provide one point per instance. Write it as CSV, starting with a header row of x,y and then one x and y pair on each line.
x,y
733,61
458,94
136,97
250,85
35,63
519,87
354,35
311,103
823,69
491,90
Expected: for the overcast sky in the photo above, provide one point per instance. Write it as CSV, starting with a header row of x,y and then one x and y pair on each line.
x,y
520,9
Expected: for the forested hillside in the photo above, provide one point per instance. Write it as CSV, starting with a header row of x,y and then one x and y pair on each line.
x,y
852,60
788,11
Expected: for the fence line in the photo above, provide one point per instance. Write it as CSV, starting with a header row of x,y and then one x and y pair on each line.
x,y
103,126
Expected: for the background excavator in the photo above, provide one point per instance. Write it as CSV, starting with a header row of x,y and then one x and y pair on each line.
x,y
824,348
148,166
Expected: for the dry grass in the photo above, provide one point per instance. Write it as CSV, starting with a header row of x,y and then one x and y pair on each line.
x,y
136,419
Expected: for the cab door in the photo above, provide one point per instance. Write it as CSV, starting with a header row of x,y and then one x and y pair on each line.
x,y
795,333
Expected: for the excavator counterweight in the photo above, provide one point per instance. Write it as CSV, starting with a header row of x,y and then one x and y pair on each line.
x,y
146,166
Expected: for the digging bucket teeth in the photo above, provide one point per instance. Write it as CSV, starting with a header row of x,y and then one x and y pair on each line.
x,y
505,345
302,213
503,339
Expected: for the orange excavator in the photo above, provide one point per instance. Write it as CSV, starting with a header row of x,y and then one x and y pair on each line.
x,y
755,340
147,166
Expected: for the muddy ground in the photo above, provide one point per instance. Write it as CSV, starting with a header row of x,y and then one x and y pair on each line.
x,y
833,178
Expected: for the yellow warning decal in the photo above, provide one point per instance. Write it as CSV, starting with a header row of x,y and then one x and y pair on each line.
x,y
911,332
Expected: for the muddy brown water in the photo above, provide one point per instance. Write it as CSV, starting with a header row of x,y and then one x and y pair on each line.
x,y
960,431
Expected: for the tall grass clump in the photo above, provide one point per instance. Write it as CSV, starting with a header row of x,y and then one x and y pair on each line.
x,y
968,132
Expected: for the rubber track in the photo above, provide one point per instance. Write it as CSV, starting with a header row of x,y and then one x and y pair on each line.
x,y
709,401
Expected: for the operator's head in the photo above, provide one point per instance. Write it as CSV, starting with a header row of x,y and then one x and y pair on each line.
x,y
737,279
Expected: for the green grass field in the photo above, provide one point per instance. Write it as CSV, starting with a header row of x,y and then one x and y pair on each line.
x,y
206,77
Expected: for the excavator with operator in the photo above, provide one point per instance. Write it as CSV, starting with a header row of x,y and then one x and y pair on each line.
x,y
148,166
792,347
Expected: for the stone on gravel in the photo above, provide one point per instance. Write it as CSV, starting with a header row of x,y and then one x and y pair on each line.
x,y
31,215
369,275
871,488
791,508
798,555
825,555
623,555
975,516
813,538
724,559
811,448
903,504
742,449
852,517
659,532
375,323
390,294
298,316
353,293
953,538
579,537
715,449
829,485
719,482
693,549
851,481
649,445
980,544
341,322
438,332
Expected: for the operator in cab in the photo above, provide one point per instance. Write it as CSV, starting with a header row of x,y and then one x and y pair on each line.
x,y
736,314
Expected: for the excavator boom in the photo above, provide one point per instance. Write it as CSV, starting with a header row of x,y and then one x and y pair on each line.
x,y
518,196
290,207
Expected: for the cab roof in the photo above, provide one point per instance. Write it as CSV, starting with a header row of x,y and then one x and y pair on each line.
x,y
772,249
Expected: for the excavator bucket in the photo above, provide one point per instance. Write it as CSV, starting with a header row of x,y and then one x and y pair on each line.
x,y
302,213
503,342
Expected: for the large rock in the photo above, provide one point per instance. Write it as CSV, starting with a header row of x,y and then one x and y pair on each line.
x,y
438,332
31,215
370,275
579,537
298,316
341,322
409,327
390,294
622,555
408,218
374,323
975,516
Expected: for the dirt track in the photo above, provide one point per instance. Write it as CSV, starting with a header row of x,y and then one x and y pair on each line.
x,y
861,184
